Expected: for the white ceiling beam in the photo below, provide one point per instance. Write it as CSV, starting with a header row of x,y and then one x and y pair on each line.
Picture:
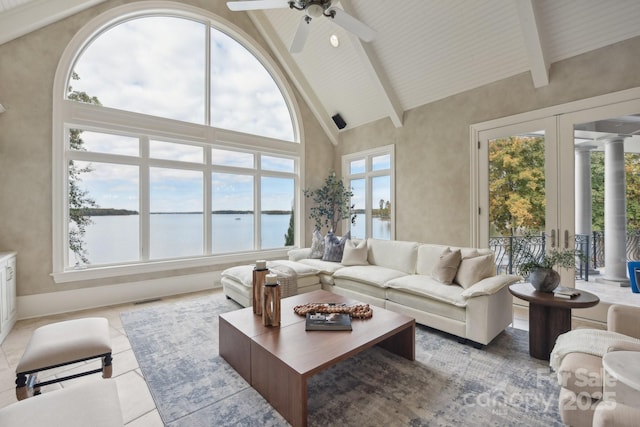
x,y
281,52
531,32
36,14
370,61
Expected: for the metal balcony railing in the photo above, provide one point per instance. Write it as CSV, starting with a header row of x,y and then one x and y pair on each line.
x,y
509,251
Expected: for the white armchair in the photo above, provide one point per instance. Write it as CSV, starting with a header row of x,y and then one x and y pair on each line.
x,y
580,372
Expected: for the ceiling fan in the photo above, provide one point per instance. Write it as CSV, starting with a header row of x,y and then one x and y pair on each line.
x,y
312,9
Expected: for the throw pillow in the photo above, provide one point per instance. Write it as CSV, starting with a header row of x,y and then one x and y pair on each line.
x,y
473,270
445,270
317,245
355,254
334,247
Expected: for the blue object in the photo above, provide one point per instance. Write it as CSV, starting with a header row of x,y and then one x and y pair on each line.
x,y
634,275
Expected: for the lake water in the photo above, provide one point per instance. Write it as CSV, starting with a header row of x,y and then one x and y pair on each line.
x,y
115,239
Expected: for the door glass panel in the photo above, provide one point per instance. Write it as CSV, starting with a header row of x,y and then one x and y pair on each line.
x,y
607,196
517,198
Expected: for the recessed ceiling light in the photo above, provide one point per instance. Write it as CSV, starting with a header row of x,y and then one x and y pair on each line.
x,y
334,40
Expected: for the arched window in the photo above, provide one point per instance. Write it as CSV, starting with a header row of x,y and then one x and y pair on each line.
x,y
175,144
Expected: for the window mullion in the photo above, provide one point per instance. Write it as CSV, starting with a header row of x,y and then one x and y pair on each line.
x,y
207,205
207,76
145,227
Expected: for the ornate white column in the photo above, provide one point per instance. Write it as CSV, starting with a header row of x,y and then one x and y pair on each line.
x,y
615,213
583,188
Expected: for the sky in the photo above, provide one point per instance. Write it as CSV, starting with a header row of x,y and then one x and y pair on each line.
x,y
156,65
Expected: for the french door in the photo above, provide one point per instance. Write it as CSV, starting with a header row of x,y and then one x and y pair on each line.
x,y
520,188
564,132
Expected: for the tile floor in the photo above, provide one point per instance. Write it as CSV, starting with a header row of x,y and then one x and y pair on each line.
x,y
138,408
137,405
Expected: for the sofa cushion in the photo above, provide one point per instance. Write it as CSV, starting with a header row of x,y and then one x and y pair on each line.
x,y
317,245
355,254
334,247
429,287
426,304
393,254
243,274
369,274
446,269
473,270
325,267
299,254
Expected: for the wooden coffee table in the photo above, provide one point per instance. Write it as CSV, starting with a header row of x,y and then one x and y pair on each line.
x,y
278,361
549,316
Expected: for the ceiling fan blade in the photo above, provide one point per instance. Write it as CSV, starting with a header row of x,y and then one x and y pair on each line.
x,y
302,33
237,6
351,24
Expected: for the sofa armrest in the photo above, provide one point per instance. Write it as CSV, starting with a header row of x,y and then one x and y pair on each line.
x,y
490,285
624,319
298,254
623,346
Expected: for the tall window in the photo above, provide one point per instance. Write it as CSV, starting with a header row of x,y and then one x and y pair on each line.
x,y
178,145
370,176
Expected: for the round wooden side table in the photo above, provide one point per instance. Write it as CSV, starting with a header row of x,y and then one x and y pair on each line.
x,y
549,316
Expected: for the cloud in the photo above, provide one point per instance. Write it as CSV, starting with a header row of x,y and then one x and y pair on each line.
x,y
155,65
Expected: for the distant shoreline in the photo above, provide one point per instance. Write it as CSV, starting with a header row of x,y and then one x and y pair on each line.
x,y
120,212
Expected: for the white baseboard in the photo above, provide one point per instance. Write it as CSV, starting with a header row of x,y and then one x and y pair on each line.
x,y
38,305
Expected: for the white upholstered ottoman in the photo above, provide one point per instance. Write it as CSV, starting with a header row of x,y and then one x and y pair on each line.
x,y
93,404
59,344
295,278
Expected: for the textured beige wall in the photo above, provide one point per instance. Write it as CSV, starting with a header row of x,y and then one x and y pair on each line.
x,y
432,148
27,70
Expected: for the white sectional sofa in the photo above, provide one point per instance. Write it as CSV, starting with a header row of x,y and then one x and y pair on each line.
x,y
398,277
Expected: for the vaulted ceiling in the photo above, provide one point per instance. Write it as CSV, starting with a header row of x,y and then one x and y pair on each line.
x,y
424,50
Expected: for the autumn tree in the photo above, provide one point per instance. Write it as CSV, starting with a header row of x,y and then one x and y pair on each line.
x,y
516,184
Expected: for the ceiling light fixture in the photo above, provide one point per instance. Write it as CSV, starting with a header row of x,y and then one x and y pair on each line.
x,y
334,40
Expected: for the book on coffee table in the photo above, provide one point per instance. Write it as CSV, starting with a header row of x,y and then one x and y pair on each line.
x,y
328,322
565,293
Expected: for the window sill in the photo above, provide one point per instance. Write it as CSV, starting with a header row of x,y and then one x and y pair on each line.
x,y
93,273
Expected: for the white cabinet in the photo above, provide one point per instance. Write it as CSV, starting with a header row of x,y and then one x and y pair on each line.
x,y
7,293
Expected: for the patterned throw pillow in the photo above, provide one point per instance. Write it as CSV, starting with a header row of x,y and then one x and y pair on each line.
x,y
317,245
334,247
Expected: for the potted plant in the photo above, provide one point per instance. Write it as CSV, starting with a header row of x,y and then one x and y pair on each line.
x,y
332,203
539,268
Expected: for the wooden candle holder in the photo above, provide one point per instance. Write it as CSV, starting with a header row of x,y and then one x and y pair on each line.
x,y
259,277
271,305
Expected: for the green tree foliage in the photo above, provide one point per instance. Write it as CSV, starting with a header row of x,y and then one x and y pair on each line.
x,y
289,238
516,184
79,199
384,212
332,203
597,190
632,171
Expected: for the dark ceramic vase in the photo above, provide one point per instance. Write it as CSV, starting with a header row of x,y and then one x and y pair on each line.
x,y
544,279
